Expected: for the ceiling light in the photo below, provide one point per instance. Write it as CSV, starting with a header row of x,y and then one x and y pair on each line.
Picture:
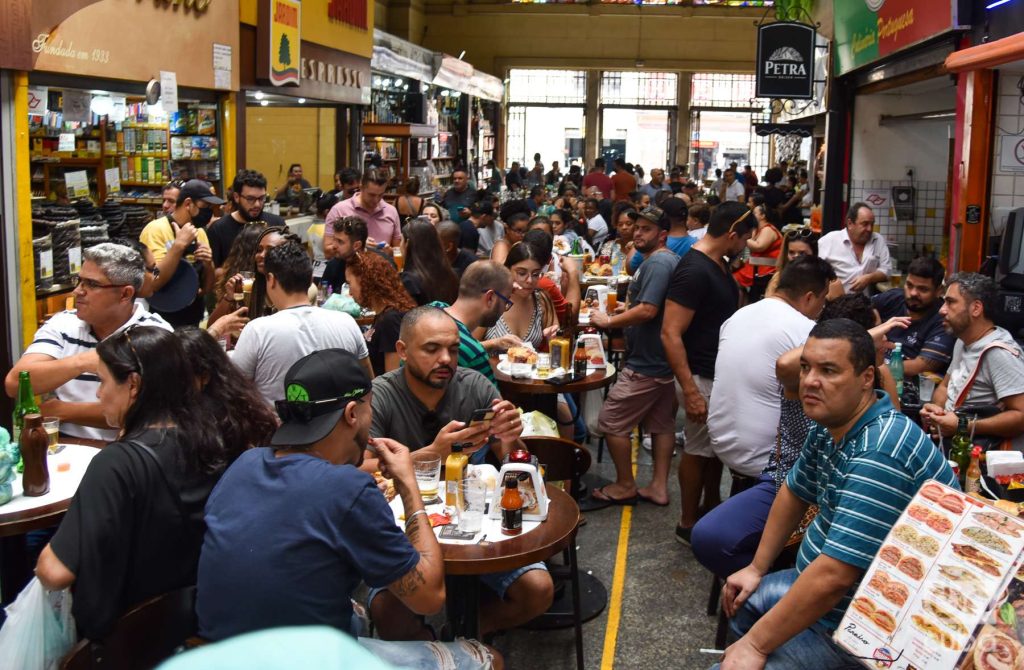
x,y
258,95
302,101
996,3
101,105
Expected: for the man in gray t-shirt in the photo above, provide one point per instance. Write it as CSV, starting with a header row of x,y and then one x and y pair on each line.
x,y
645,390
970,300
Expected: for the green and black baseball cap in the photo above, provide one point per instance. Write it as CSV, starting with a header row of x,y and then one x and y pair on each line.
x,y
317,388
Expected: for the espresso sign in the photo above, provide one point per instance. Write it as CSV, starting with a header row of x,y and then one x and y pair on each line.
x,y
785,60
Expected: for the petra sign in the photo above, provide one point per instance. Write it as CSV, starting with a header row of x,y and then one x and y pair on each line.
x,y
785,60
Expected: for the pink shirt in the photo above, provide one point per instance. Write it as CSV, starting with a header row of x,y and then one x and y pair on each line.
x,y
382,224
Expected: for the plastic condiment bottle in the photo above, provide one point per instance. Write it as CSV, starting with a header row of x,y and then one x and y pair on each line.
x,y
560,351
36,479
972,482
454,471
511,508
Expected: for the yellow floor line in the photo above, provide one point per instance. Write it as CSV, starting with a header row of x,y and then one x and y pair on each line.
x,y
611,631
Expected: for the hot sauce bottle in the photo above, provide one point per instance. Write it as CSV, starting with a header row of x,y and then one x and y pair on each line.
x,y
511,508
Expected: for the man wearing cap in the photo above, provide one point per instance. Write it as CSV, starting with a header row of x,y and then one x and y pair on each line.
x,y
645,390
427,404
179,287
293,528
679,240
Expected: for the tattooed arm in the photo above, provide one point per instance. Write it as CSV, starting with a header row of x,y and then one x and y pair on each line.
x,y
422,588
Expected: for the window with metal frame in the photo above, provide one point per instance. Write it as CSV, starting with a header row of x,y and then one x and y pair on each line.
x,y
639,89
554,87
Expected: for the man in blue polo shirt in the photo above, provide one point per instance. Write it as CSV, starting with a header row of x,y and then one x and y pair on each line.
x,y
861,465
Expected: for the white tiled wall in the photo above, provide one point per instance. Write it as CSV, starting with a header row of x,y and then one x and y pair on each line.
x,y
913,238
1007,187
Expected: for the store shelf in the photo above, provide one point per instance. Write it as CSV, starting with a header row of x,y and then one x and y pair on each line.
x,y
148,184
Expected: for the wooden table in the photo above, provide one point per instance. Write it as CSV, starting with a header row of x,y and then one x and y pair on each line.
x,y
24,514
464,563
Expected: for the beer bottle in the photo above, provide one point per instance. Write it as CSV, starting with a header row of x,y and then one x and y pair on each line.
x,y
25,404
960,452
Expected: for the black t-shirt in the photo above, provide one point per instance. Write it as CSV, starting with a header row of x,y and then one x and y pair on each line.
x,y
414,287
470,238
700,284
334,274
462,261
381,337
223,231
133,530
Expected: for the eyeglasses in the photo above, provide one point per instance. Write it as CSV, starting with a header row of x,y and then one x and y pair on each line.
x,y
800,231
128,338
508,302
303,411
253,200
92,284
523,273
733,226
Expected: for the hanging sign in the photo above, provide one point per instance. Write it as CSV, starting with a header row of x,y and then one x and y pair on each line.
x,y
869,30
785,60
77,184
37,96
280,38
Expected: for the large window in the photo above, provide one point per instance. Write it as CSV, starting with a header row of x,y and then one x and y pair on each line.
x,y
639,89
723,111
638,112
546,116
547,86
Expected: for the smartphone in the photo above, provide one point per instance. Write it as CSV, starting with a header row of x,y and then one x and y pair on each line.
x,y
560,379
482,416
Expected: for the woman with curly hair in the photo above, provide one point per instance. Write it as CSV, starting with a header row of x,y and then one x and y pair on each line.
x,y
427,277
241,257
374,283
243,416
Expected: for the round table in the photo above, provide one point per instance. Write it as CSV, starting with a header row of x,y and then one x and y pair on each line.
x,y
463,563
24,514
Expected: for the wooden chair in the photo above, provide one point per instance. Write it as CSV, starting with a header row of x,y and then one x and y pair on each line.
x,y
565,461
143,638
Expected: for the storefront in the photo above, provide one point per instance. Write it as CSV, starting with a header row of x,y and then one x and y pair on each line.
x,y
102,120
303,98
894,122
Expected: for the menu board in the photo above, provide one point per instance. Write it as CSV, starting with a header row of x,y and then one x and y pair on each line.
x,y
933,584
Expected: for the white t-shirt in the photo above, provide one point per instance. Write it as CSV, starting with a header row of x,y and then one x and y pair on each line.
x,y
270,345
734,192
600,228
66,335
837,249
743,415
698,233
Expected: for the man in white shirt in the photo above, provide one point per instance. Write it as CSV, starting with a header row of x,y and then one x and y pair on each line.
x,y
62,357
859,255
270,345
731,190
987,366
597,228
743,415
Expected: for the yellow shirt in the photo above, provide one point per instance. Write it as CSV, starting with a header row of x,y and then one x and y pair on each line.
x,y
159,234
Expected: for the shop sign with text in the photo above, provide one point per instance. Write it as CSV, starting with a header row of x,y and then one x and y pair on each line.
x,y
869,30
280,50
785,60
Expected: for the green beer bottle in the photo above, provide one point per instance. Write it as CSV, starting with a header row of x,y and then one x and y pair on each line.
x,y
26,404
960,451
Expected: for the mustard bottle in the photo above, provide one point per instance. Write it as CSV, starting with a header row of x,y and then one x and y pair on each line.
x,y
454,471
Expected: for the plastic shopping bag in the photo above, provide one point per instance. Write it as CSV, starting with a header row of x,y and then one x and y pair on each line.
x,y
39,630
538,424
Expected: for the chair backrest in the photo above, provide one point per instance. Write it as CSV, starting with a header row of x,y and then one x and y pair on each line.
x,y
142,638
563,460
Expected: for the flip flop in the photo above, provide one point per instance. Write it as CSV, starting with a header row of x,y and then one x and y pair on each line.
x,y
652,501
599,494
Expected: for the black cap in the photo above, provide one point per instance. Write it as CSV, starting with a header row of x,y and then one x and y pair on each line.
x,y
317,389
674,208
197,189
653,214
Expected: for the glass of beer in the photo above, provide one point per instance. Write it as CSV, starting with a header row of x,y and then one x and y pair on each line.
x,y
428,475
248,278
399,258
612,302
51,425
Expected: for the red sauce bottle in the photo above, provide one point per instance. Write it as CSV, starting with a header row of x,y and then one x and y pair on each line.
x,y
511,508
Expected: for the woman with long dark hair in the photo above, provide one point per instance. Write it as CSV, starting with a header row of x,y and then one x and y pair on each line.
x,y
244,418
532,317
135,525
428,277
241,257
374,283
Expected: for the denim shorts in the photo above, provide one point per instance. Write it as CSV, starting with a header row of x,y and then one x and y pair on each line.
x,y
495,581
458,655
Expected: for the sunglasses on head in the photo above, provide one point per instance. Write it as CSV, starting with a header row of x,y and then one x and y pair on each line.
x,y
801,231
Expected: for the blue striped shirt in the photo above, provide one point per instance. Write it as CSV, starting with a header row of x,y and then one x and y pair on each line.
x,y
861,486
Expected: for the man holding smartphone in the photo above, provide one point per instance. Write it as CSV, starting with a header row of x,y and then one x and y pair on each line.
x,y
429,404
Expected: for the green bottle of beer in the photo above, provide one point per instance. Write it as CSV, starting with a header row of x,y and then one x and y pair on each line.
x,y
960,452
25,404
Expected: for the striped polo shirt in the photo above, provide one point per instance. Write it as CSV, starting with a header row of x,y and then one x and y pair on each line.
x,y
472,354
65,335
861,485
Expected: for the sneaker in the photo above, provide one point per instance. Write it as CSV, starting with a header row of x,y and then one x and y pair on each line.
x,y
680,440
646,442
683,535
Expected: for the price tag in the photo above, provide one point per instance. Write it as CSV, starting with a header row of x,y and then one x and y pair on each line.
x,y
113,177
77,184
169,91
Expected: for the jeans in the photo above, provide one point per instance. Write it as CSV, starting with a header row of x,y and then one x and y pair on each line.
x,y
725,539
458,655
811,649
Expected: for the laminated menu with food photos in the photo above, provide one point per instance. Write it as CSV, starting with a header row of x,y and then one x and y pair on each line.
x,y
943,591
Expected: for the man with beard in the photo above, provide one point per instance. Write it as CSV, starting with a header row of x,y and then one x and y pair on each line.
x,y
299,520
859,255
861,464
986,369
644,392
483,298
927,346
427,404
249,192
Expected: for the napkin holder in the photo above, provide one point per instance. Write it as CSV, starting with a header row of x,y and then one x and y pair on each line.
x,y
531,488
594,346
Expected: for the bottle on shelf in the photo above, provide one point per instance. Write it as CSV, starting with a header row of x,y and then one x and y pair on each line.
x,y
960,452
511,507
972,481
896,368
